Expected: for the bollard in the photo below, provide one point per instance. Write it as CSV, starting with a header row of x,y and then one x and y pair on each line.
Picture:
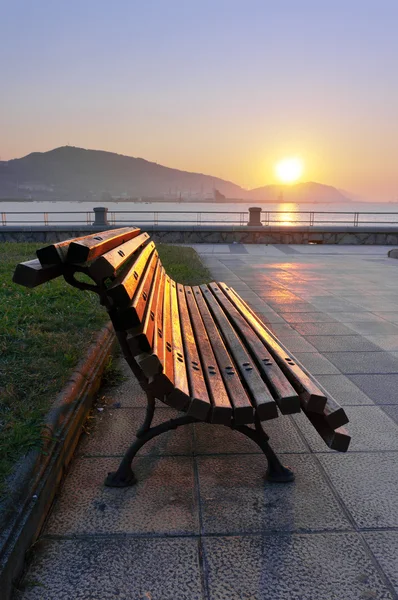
x,y
101,216
254,216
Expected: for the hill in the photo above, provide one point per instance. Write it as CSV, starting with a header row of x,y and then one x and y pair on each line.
x,y
300,192
70,173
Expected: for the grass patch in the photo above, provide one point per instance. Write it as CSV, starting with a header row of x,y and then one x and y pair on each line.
x,y
183,264
44,332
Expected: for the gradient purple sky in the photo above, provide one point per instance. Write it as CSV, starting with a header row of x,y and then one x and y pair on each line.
x,y
225,87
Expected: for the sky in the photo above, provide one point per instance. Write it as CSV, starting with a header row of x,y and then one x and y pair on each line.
x,y
223,87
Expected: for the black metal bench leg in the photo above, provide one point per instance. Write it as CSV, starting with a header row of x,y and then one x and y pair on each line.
x,y
124,476
150,411
276,472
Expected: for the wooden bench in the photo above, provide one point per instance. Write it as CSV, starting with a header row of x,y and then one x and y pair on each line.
x,y
200,350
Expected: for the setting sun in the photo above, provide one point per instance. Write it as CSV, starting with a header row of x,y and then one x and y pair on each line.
x,y
289,170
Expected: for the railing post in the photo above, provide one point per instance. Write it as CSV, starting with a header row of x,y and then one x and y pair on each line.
x,y
45,218
254,216
4,218
101,216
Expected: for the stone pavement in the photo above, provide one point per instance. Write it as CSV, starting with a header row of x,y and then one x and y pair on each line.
x,y
201,523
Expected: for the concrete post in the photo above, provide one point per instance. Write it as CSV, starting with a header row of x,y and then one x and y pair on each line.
x,y
254,216
101,216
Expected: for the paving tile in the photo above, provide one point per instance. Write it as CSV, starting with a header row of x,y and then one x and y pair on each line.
x,y
341,343
356,317
334,306
326,566
343,390
367,483
374,328
384,545
236,499
292,306
363,362
382,389
385,342
296,343
307,317
279,329
322,329
101,569
217,439
316,363
112,432
391,411
392,317
370,429
127,394
86,506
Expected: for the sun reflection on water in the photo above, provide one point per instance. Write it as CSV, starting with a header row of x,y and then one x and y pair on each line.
x,y
288,217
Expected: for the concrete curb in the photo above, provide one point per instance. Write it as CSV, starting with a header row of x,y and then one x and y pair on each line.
x,y
38,475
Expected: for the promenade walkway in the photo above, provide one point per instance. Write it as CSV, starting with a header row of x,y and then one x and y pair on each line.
x,y
201,523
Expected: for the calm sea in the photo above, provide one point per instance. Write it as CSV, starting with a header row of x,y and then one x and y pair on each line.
x,y
33,213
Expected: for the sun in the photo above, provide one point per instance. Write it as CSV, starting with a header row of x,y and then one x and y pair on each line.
x,y
289,170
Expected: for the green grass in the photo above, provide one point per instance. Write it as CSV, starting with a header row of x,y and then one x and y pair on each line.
x,y
44,332
183,264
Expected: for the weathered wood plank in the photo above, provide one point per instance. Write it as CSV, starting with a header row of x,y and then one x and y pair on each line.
x,y
161,379
260,394
133,316
158,339
92,246
337,439
285,395
179,397
334,414
225,387
55,254
200,401
31,273
122,291
142,340
109,263
311,397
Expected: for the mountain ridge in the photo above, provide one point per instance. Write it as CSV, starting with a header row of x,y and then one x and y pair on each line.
x,y
73,173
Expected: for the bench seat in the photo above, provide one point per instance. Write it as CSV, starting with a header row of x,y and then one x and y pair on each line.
x,y
201,350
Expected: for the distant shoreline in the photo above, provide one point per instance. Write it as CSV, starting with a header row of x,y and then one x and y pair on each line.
x,y
227,201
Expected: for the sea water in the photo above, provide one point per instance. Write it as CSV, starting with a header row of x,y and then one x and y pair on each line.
x,y
193,213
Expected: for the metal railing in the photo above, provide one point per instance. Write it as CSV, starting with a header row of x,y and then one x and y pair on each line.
x,y
200,218
311,218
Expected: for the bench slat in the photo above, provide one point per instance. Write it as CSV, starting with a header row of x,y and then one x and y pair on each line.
x,y
161,371
214,354
337,439
55,254
122,291
286,396
261,396
158,339
310,395
109,263
133,316
200,401
143,340
179,397
92,246
31,273
334,414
